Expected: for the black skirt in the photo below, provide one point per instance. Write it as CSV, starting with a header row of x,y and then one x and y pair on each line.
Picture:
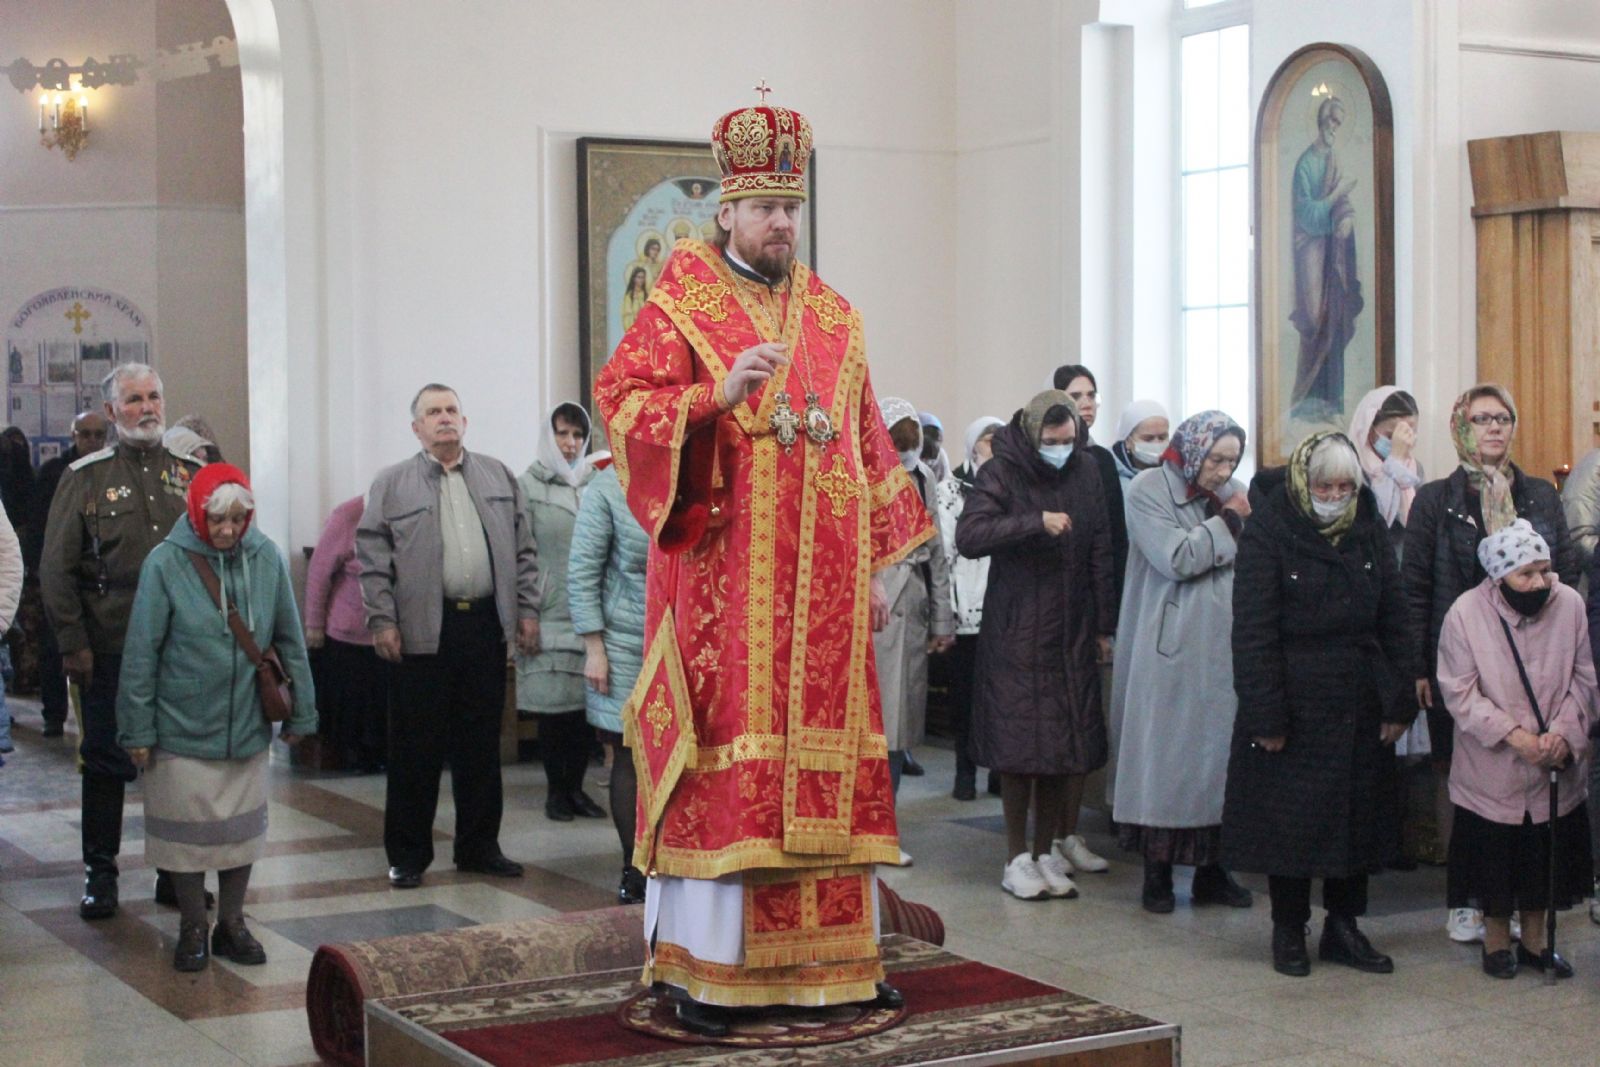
x,y
1505,868
353,700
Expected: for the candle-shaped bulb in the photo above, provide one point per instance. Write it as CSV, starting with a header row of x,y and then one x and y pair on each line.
x,y
83,112
44,109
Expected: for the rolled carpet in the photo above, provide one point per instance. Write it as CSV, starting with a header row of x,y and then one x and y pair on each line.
x,y
344,976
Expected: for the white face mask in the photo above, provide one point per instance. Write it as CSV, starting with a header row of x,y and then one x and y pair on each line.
x,y
908,459
1329,510
1149,452
1056,455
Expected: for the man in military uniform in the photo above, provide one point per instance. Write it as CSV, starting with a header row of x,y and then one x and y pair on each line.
x,y
111,508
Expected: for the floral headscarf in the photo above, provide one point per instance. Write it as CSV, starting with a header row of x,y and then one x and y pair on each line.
x,y
1193,441
1300,486
1033,415
1493,484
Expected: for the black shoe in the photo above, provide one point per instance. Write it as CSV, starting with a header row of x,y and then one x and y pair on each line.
x,y
99,897
167,896
1500,964
1213,885
1536,960
191,954
1343,943
909,765
993,785
1157,897
53,729
497,865
631,889
236,944
559,809
583,804
889,997
965,790
1289,954
707,1020
404,878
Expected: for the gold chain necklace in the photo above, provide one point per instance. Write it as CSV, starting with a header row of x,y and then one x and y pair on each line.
x,y
784,422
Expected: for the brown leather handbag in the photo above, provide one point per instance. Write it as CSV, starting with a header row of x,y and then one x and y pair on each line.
x,y
272,681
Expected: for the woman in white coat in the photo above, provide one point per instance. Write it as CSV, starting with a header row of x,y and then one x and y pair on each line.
x,y
1172,699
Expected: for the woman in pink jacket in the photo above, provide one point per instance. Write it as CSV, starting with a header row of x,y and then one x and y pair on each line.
x,y
352,682
1506,742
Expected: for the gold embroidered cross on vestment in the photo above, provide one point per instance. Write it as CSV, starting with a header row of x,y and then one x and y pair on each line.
x,y
839,486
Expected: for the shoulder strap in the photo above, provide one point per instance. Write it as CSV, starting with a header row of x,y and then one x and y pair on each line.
x,y
241,632
1522,672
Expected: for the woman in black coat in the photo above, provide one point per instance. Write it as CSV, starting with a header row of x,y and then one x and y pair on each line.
x,y
1321,668
1037,512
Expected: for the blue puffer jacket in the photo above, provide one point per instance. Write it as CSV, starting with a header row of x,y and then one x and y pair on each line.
x,y
605,584
186,686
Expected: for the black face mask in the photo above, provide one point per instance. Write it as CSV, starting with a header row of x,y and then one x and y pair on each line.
x,y
1527,604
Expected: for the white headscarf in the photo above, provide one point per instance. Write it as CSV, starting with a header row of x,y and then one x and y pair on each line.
x,y
1511,547
1137,412
980,426
182,441
549,452
893,409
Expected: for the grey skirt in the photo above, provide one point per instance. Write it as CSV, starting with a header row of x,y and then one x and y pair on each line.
x,y
204,815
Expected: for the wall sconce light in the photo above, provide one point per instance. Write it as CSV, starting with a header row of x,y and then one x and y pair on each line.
x,y
64,122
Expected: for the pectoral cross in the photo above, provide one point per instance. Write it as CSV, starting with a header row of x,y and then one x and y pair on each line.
x,y
784,422
763,90
77,315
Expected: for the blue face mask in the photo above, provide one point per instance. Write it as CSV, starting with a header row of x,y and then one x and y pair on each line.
x,y
1382,446
1056,455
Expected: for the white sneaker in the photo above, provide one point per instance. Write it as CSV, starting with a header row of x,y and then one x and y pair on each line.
x,y
1057,876
1023,880
1465,925
1077,854
905,858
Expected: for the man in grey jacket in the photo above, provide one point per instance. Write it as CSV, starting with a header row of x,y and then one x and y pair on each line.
x,y
449,577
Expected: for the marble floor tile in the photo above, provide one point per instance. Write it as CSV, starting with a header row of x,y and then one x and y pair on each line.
x,y
262,1039
160,1045
315,930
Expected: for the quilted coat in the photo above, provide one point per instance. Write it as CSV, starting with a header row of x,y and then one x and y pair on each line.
x,y
551,681
605,584
1036,697
1321,656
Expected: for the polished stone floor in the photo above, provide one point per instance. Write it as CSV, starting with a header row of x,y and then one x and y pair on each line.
x,y
104,993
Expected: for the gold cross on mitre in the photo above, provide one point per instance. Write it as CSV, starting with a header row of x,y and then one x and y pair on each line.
x,y
77,315
763,89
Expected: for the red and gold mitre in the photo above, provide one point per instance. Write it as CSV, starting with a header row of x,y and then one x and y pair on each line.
x,y
762,151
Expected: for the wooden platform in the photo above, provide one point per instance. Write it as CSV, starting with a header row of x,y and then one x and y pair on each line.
x,y
960,1013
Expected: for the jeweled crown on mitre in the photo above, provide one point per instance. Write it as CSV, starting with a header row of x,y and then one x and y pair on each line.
x,y
762,151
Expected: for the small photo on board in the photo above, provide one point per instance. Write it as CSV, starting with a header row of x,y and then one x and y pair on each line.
x,y
22,363
61,363
132,352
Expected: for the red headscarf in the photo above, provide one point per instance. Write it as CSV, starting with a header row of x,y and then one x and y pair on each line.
x,y
211,478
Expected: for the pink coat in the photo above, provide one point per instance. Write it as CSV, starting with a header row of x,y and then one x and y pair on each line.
x,y
1478,682
333,587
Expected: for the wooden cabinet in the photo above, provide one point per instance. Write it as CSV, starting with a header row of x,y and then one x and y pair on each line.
x,y
1536,206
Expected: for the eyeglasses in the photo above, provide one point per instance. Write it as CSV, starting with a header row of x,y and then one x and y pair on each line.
x,y
1496,420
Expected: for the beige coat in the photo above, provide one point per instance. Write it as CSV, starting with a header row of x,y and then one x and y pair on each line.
x,y
916,612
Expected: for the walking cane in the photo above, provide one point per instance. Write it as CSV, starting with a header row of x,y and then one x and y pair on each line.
x,y
1550,891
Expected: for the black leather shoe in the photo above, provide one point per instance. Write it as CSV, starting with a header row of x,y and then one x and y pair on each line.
x,y
707,1020
583,804
1157,897
889,997
404,878
498,866
1536,960
909,765
1343,943
191,954
53,729
99,897
559,809
1500,964
1289,954
965,790
631,889
235,943
167,896
1213,885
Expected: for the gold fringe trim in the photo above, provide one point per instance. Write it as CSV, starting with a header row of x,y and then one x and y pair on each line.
x,y
732,986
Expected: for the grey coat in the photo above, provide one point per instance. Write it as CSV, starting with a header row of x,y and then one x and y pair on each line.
x,y
605,581
1172,701
401,550
551,680
918,589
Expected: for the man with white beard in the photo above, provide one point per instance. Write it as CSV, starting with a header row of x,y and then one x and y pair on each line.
x,y
110,509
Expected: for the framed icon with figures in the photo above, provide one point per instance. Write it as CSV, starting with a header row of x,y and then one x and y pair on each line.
x,y
635,199
1324,230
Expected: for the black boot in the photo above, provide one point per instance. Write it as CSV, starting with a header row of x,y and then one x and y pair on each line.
x,y
966,787
1213,885
1289,955
191,953
102,840
631,890
1157,897
1343,943
909,766
889,997
707,1020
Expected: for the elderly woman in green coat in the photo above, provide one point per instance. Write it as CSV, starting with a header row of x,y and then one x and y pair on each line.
x,y
605,580
550,682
